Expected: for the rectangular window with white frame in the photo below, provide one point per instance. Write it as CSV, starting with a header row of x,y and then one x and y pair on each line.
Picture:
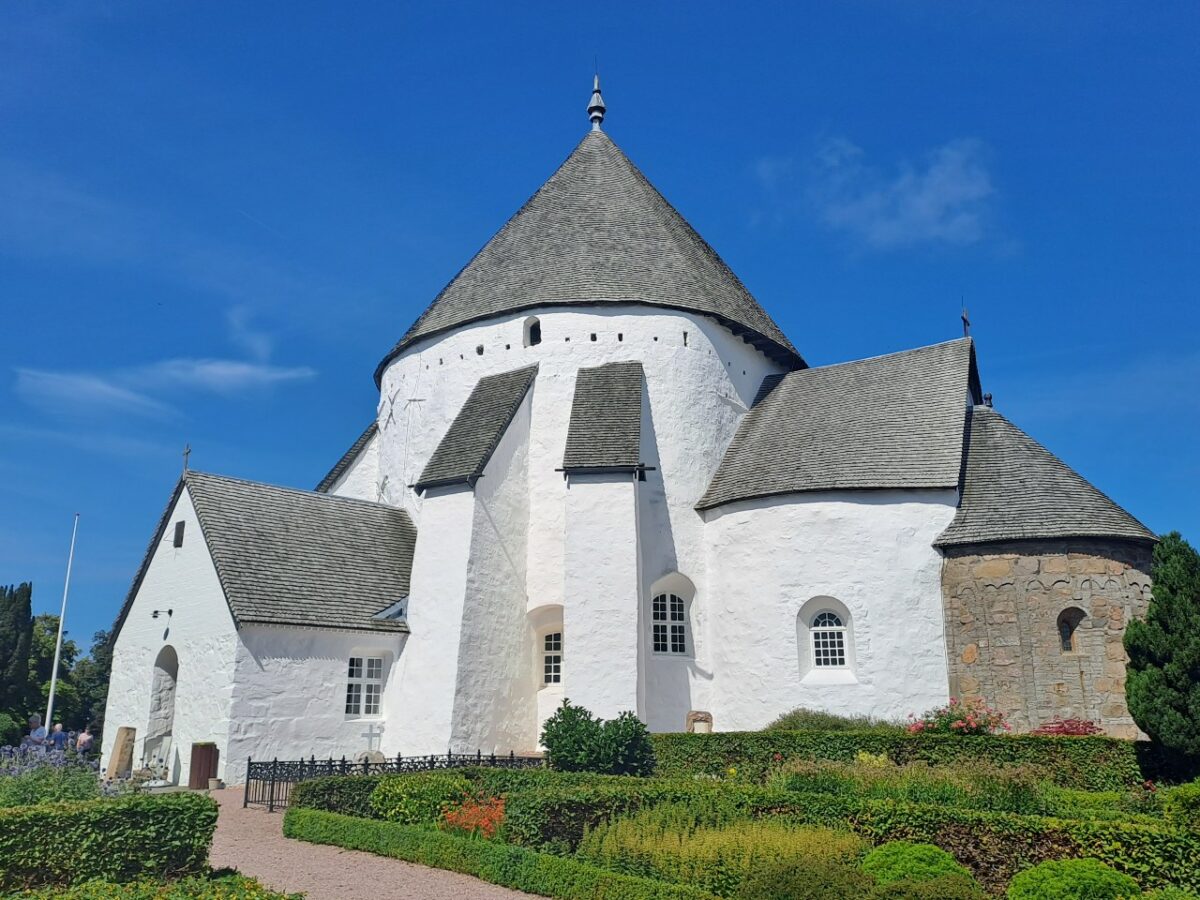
x,y
668,624
364,686
552,649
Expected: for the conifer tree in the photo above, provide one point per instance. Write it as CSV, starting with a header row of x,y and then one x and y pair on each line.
x,y
16,636
1162,681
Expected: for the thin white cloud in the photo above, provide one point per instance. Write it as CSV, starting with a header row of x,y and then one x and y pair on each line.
x,y
130,391
944,199
77,393
254,341
225,376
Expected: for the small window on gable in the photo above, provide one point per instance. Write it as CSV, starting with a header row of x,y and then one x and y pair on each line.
x,y
828,640
1068,625
533,332
179,533
364,686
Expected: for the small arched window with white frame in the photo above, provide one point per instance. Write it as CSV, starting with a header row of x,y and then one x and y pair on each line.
x,y
671,599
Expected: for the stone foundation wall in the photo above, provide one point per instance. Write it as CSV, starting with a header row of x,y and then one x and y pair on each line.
x,y
1003,603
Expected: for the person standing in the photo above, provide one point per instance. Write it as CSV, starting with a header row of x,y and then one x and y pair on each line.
x,y
58,738
83,743
37,731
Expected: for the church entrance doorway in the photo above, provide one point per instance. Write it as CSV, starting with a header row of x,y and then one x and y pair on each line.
x,y
158,753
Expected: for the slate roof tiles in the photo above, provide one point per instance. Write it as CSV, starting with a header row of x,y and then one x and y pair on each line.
x,y
605,431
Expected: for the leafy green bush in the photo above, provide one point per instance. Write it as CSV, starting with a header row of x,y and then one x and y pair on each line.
x,y
1092,763
674,843
346,794
503,864
201,887
904,861
1170,893
419,798
1181,805
116,840
49,784
578,742
805,881
944,887
802,719
1072,879
10,730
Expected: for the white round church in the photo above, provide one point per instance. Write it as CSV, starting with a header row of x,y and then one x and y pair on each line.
x,y
599,470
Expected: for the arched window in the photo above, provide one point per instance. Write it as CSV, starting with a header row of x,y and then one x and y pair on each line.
x,y
552,657
828,640
533,331
1068,624
668,624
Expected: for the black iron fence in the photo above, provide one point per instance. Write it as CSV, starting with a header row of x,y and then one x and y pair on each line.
x,y
269,783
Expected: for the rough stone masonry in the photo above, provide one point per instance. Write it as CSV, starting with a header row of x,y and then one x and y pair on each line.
x,y
1006,605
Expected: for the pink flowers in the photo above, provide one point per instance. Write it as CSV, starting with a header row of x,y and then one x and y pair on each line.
x,y
959,717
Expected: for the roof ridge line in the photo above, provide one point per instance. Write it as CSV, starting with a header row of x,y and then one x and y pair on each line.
x,y
319,495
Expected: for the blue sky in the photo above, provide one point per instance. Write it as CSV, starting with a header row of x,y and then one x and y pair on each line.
x,y
214,220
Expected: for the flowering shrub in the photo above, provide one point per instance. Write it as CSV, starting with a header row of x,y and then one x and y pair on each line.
x,y
970,717
1057,727
29,776
475,815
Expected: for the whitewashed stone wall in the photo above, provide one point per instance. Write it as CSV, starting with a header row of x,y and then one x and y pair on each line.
x,y
289,696
361,478
201,630
871,551
698,388
494,705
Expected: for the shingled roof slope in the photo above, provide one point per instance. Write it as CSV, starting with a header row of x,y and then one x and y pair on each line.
x,y
292,557
1016,489
598,232
340,467
895,421
605,431
468,444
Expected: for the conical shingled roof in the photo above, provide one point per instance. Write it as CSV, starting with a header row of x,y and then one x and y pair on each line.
x,y
1015,489
598,232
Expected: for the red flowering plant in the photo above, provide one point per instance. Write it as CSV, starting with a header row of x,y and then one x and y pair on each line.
x,y
1058,727
959,717
479,815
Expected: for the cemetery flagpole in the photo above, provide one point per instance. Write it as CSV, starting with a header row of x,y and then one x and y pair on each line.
x,y
62,617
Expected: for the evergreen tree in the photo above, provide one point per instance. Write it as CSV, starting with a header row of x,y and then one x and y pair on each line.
x,y
16,637
90,677
1162,682
41,663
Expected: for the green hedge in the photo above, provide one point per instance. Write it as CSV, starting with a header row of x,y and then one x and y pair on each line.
x,y
200,887
114,840
995,846
503,864
346,794
1093,763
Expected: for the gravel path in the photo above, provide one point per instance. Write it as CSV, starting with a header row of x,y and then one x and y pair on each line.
x,y
252,841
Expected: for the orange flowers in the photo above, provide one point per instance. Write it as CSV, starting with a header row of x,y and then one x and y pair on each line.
x,y
476,815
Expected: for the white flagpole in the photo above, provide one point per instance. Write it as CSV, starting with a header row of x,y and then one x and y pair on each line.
x,y
62,617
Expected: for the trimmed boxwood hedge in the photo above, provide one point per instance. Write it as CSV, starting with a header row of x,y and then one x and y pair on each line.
x,y
503,864
1092,763
115,840
346,794
197,887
